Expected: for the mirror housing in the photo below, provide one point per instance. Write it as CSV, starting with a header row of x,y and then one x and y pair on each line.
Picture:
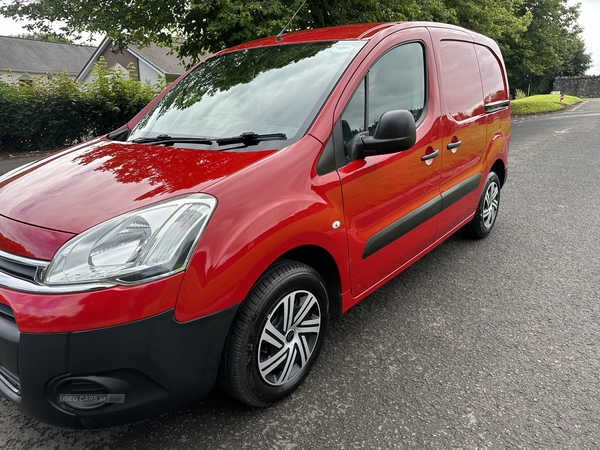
x,y
396,131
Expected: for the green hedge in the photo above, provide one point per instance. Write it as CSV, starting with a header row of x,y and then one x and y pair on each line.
x,y
54,111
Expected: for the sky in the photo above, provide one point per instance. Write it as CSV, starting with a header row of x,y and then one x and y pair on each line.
x,y
9,27
590,17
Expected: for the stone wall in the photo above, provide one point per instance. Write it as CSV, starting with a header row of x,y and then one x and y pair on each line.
x,y
583,87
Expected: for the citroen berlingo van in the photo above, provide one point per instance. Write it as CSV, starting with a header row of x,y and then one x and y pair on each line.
x,y
212,237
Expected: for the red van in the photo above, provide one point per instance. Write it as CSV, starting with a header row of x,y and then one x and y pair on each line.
x,y
272,187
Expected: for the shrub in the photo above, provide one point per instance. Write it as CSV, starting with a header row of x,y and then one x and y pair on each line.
x,y
114,97
519,94
7,105
50,113
55,111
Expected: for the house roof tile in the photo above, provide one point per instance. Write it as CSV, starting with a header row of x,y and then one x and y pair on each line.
x,y
160,57
34,57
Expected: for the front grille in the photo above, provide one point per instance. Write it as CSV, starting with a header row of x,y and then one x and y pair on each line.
x,y
7,313
22,274
17,268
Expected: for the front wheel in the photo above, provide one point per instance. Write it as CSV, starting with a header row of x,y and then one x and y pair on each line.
x,y
487,210
277,335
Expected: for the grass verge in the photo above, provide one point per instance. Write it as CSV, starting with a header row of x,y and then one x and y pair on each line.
x,y
537,104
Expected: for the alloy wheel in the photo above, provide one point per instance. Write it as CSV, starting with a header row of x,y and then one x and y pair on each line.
x,y
490,205
289,337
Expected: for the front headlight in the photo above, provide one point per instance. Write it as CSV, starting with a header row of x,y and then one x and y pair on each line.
x,y
145,244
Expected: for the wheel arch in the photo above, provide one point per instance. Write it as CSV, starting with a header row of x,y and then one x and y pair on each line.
x,y
323,262
500,170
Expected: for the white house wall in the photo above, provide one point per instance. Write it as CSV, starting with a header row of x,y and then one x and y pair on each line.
x,y
88,78
148,73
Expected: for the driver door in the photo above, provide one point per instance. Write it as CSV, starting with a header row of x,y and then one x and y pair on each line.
x,y
391,201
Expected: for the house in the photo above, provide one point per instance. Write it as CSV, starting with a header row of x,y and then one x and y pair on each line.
x,y
151,63
29,58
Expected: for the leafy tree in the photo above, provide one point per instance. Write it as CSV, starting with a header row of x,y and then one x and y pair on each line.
x,y
551,46
498,19
199,26
539,38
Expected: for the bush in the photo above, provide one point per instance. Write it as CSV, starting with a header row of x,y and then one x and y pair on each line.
x,y
519,94
114,97
50,113
7,104
55,111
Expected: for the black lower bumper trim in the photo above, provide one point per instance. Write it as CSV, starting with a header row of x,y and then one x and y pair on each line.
x,y
120,374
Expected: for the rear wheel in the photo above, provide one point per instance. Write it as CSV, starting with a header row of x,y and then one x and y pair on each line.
x,y
277,335
487,210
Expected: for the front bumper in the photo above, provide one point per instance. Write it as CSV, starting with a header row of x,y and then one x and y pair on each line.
x,y
113,375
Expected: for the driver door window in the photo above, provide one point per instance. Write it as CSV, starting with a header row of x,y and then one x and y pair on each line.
x,y
395,81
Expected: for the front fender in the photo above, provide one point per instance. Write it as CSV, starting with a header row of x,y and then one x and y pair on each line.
x,y
258,219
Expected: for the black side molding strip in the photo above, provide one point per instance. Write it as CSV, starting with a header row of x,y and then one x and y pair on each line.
x,y
420,215
455,193
496,106
402,226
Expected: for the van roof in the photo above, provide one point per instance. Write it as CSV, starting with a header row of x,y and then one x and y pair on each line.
x,y
337,33
363,31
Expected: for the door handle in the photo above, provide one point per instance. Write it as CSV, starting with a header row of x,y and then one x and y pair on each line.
x,y
454,145
430,155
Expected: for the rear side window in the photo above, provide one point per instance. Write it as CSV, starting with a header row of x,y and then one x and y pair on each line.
x,y
461,79
494,85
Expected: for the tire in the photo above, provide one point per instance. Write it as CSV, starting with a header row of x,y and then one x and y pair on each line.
x,y
269,352
487,210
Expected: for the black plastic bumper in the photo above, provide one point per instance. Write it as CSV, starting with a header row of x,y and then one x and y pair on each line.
x,y
115,375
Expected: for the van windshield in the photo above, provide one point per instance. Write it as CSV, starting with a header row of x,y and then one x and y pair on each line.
x,y
274,91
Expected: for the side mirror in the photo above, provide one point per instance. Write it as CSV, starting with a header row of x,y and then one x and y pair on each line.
x,y
396,131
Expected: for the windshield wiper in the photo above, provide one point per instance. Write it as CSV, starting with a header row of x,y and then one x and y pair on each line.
x,y
166,140
251,137
244,138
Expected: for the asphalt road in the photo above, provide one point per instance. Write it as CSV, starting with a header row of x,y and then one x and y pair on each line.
x,y
9,163
491,344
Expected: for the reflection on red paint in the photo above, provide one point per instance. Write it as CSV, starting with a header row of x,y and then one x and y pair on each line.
x,y
80,189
